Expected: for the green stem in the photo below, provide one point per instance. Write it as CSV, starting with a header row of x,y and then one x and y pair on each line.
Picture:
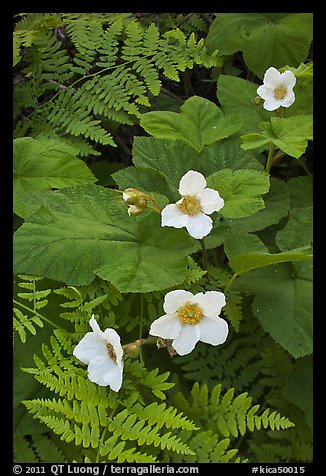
x,y
205,264
39,315
270,158
141,327
305,168
100,445
230,282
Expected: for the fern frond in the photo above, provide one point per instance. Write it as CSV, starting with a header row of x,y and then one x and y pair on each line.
x,y
161,415
27,321
233,309
23,452
47,451
128,427
227,415
66,114
276,366
115,452
22,323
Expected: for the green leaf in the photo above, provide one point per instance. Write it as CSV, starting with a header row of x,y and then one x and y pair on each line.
x,y
174,158
301,191
264,38
298,231
145,179
298,388
237,95
289,134
41,164
81,232
283,304
246,252
241,191
199,123
277,204
303,90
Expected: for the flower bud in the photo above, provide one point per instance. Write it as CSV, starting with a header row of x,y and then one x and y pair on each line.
x,y
132,349
134,197
257,100
134,210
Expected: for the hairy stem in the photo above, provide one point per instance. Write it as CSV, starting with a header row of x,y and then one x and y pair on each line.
x,y
141,326
204,253
270,158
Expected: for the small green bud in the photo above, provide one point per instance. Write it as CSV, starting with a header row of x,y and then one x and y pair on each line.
x,y
133,349
135,197
258,100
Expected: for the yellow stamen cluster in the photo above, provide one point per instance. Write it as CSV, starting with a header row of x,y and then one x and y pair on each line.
x,y
190,205
280,92
111,353
190,314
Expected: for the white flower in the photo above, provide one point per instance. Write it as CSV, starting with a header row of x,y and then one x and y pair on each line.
x,y
191,318
192,209
277,89
103,353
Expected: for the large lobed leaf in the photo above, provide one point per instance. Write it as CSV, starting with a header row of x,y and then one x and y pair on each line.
x,y
266,39
199,123
81,232
42,164
289,134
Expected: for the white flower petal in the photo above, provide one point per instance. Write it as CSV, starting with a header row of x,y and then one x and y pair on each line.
x,y
192,183
104,372
167,326
210,201
272,104
199,225
173,216
288,79
264,92
176,299
96,328
188,338
213,331
210,303
89,347
288,100
113,338
272,78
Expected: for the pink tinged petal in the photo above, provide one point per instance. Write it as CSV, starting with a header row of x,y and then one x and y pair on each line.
x,y
126,196
288,100
173,216
113,338
187,339
210,303
199,225
272,104
176,299
288,79
90,347
192,183
210,201
167,327
213,331
272,78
